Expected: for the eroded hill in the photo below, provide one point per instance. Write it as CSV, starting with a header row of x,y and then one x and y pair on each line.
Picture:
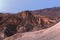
x,y
28,21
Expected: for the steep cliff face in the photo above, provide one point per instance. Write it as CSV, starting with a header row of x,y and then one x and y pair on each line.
x,y
27,21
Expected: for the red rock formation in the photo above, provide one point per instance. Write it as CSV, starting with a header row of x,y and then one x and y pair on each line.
x,y
27,21
52,33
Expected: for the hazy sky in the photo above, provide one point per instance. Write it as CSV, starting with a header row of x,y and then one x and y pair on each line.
x,y
14,6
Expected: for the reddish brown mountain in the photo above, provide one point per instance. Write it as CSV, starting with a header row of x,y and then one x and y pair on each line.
x,y
27,21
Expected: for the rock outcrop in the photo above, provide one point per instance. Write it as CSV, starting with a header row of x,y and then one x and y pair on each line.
x,y
47,34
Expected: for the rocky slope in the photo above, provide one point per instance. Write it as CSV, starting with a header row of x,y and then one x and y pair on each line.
x,y
28,21
51,33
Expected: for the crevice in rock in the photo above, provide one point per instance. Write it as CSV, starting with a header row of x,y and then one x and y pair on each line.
x,y
10,30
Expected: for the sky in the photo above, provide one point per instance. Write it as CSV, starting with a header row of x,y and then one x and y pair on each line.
x,y
14,6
